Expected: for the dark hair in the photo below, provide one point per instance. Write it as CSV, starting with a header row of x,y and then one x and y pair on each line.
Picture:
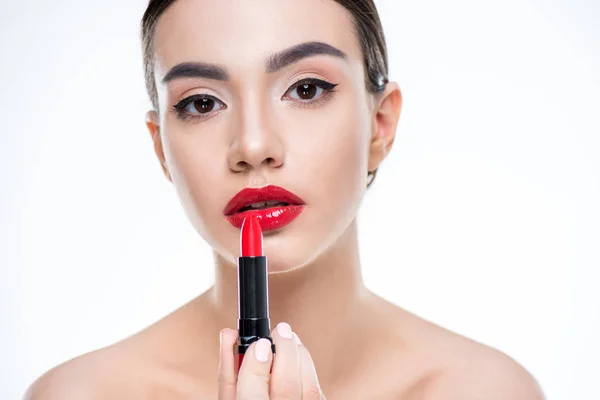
x,y
367,28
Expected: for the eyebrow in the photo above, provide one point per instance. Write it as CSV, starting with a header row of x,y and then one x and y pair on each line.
x,y
274,63
296,53
196,70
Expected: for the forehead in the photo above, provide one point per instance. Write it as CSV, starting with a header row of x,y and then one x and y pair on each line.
x,y
242,33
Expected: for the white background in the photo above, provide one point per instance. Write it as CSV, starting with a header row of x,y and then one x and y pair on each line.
x,y
484,219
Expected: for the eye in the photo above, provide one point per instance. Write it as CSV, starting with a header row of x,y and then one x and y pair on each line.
x,y
307,91
198,106
310,90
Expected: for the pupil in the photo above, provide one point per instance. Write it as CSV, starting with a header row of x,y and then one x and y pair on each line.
x,y
306,91
204,105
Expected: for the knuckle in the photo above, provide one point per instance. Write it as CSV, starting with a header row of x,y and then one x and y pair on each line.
x,y
285,389
260,376
311,392
250,396
253,387
225,382
223,379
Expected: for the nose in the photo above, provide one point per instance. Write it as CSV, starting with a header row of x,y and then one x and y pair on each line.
x,y
256,143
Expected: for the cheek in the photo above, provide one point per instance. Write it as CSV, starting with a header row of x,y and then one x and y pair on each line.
x,y
328,161
194,176
343,174
335,153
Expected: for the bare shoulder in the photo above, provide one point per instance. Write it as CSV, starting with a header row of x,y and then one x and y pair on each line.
x,y
484,374
157,362
452,366
472,370
117,372
84,377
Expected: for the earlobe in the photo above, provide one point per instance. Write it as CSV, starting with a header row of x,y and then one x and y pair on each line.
x,y
385,121
153,125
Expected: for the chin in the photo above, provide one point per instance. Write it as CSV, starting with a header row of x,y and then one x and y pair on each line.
x,y
291,249
282,252
282,263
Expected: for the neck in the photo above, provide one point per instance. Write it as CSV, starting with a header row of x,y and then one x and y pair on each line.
x,y
321,300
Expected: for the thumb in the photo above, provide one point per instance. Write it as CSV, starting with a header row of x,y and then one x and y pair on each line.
x,y
254,374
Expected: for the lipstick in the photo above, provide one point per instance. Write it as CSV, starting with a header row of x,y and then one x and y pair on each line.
x,y
274,206
253,303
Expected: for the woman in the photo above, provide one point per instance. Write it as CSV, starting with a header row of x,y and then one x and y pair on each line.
x,y
248,94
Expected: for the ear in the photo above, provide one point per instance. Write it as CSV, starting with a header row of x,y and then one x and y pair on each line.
x,y
154,128
385,121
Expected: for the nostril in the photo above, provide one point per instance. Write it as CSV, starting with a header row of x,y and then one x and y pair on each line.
x,y
242,165
272,162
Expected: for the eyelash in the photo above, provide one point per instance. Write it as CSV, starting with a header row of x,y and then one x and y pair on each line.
x,y
180,108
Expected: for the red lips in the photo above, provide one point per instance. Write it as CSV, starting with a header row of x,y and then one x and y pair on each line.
x,y
271,216
254,195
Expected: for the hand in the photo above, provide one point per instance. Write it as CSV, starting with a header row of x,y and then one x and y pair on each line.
x,y
293,375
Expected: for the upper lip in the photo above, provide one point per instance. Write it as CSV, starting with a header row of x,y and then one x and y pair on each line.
x,y
248,196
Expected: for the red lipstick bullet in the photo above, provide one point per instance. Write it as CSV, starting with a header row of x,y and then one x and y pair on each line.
x,y
251,238
253,303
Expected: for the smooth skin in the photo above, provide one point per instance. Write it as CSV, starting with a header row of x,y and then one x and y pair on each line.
x,y
261,132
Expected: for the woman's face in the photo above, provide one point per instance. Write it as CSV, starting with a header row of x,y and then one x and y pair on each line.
x,y
256,128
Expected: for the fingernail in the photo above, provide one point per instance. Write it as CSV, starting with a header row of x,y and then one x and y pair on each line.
x,y
285,330
298,342
221,336
261,350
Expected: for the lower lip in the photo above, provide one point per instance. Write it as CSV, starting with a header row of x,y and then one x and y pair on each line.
x,y
269,218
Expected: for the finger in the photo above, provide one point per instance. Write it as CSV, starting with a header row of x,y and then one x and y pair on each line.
x,y
285,378
311,389
226,377
253,378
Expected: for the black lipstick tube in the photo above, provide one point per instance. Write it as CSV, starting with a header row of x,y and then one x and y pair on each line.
x,y
253,305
